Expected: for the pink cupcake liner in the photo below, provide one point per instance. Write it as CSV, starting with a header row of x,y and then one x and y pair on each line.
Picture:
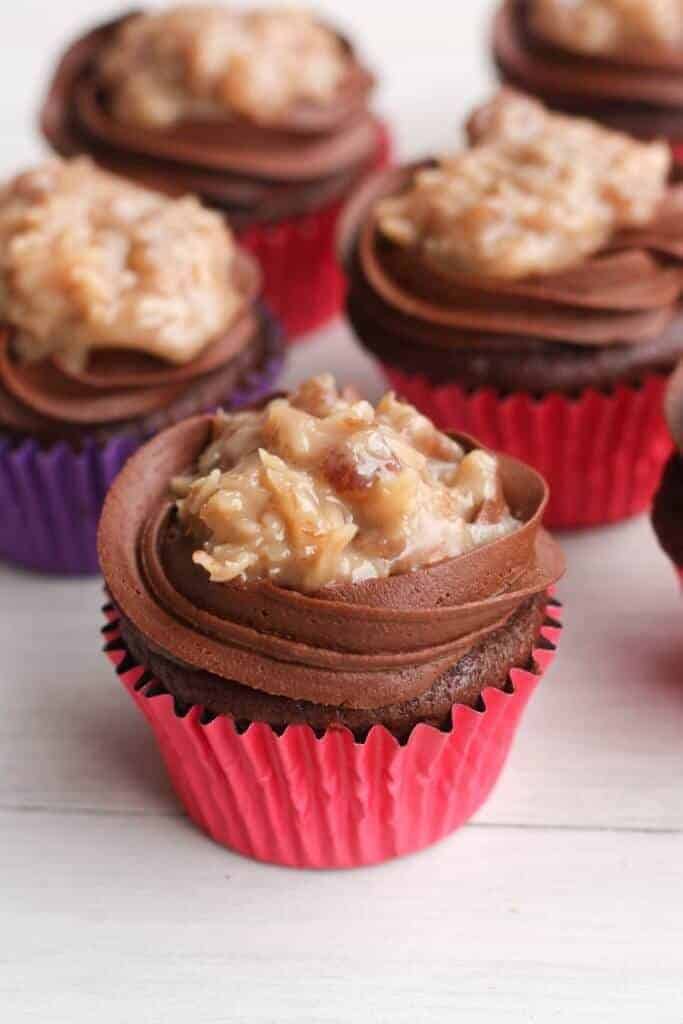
x,y
302,281
601,453
300,800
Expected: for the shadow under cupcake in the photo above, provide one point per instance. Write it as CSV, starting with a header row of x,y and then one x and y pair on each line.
x,y
122,312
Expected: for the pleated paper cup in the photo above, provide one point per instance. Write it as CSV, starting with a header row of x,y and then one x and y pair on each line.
x,y
677,150
308,801
302,281
601,453
51,502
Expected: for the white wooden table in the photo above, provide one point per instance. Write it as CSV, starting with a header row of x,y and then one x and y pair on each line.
x,y
562,902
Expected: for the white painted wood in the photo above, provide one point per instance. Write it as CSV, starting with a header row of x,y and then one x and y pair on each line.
x,y
142,920
562,903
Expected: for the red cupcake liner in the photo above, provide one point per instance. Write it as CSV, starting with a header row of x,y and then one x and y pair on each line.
x,y
602,454
302,281
305,801
677,150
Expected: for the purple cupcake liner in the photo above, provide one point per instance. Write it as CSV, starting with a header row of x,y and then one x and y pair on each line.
x,y
51,497
51,500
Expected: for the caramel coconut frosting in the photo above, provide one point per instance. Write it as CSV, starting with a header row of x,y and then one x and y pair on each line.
x,y
319,489
211,61
118,304
620,61
325,560
609,27
262,113
546,255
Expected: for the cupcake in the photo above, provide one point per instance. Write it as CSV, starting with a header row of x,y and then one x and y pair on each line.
x,y
121,311
332,616
263,114
618,63
667,514
526,290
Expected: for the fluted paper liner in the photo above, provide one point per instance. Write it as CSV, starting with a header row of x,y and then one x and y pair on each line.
x,y
51,497
329,801
677,149
302,281
602,454
51,501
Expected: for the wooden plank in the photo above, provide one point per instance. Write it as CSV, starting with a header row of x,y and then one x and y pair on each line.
x,y
144,919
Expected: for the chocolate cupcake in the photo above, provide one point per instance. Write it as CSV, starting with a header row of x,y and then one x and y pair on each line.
x,y
527,290
121,311
332,616
667,514
618,63
263,114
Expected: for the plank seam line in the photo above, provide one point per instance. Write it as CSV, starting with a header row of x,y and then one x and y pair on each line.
x,y
101,812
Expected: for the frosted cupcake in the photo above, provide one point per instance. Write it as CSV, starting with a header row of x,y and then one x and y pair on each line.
x,y
618,63
527,290
121,311
263,114
332,616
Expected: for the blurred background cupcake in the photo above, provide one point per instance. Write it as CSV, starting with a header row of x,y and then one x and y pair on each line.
x,y
122,311
263,114
526,290
332,616
667,514
618,62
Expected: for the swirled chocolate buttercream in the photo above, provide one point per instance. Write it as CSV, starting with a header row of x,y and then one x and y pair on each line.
x,y
401,552
119,307
544,256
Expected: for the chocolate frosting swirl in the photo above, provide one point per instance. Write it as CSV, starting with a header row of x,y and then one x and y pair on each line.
x,y
122,389
364,645
640,91
615,314
257,172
